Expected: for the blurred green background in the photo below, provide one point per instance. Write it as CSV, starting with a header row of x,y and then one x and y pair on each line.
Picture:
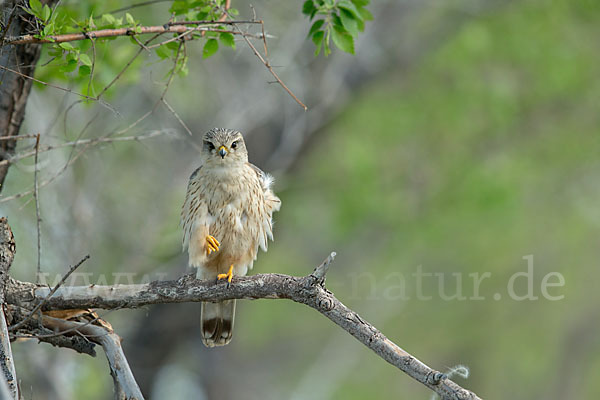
x,y
466,142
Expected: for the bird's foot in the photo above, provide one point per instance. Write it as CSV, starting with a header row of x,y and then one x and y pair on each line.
x,y
212,244
228,276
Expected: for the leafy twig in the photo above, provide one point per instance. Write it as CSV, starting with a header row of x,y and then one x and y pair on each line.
x,y
139,30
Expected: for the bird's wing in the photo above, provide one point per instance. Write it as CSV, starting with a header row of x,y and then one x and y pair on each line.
x,y
195,220
271,204
266,181
187,210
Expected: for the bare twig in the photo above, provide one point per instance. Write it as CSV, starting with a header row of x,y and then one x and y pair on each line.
x,y
268,64
172,110
131,60
142,45
93,141
41,304
20,137
104,103
306,290
47,181
37,207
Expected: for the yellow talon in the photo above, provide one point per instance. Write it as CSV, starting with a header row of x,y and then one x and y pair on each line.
x,y
228,275
212,244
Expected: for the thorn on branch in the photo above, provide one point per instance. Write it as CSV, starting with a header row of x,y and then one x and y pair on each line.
x,y
320,272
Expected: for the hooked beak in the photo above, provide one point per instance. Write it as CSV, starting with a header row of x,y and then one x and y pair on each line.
x,y
222,151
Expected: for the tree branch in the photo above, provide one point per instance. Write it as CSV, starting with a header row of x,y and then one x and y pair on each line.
x,y
173,27
7,365
125,385
308,290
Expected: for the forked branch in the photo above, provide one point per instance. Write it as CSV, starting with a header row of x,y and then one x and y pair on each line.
x,y
308,290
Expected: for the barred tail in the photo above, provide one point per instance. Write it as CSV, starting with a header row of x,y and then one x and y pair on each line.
x,y
216,322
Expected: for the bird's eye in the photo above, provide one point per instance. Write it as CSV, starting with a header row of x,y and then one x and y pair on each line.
x,y
234,144
209,145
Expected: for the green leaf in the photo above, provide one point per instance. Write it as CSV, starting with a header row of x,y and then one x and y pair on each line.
x,y
55,51
48,29
366,14
210,48
162,52
315,27
337,21
72,56
349,22
69,66
234,12
36,8
317,39
360,3
183,70
343,40
46,13
326,48
85,70
361,24
108,19
129,19
227,39
67,46
179,7
308,8
85,60
350,7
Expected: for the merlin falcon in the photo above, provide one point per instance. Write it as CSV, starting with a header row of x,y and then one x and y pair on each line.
x,y
226,217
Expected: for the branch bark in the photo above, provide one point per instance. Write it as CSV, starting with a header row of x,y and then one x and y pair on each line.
x,y
308,290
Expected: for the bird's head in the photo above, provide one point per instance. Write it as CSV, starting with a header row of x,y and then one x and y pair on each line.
x,y
224,147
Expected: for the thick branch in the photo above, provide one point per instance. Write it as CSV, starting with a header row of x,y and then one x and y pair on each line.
x,y
306,290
